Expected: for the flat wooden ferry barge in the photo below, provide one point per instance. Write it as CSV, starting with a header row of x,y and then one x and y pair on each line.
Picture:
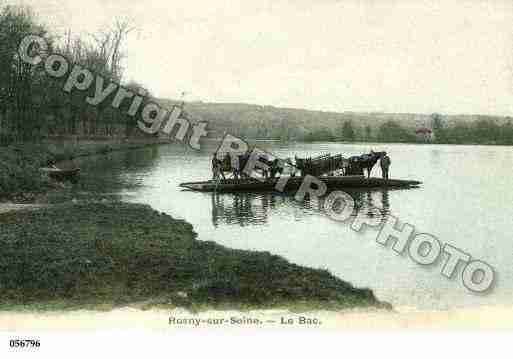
x,y
293,183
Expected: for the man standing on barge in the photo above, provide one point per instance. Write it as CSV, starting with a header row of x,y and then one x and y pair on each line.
x,y
385,165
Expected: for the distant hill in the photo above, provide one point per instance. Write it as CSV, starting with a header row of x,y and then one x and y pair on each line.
x,y
255,121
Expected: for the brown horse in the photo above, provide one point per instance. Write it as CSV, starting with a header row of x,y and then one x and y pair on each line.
x,y
236,166
357,164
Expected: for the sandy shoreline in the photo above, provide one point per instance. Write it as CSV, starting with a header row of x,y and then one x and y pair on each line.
x,y
159,319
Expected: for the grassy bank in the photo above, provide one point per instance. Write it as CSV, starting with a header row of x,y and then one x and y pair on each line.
x,y
20,176
110,254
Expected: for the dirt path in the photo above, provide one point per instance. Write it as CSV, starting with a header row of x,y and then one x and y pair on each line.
x,y
8,207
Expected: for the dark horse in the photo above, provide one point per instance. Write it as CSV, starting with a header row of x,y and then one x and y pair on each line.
x,y
231,165
236,166
357,164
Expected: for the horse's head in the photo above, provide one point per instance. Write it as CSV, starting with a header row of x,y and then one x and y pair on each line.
x,y
378,154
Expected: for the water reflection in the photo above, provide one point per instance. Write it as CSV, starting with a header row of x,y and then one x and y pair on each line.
x,y
109,175
241,209
372,203
245,209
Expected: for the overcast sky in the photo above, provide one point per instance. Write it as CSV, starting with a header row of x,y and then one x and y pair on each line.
x,y
368,55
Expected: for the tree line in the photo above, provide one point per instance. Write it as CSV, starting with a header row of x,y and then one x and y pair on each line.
x,y
483,131
33,105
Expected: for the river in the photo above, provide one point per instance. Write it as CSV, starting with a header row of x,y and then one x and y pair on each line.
x,y
465,200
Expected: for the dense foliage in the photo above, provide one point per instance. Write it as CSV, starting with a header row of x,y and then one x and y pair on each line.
x,y
33,104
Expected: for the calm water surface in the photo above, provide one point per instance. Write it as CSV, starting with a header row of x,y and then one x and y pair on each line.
x,y
465,200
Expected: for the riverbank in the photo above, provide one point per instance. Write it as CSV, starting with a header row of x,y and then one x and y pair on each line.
x,y
107,255
20,178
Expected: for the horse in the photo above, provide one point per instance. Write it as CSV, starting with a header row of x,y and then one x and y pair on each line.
x,y
236,167
357,164
224,164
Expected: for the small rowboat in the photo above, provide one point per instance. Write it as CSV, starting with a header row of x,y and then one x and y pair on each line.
x,y
293,183
61,174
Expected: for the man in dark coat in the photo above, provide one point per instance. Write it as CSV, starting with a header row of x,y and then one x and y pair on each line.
x,y
385,165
